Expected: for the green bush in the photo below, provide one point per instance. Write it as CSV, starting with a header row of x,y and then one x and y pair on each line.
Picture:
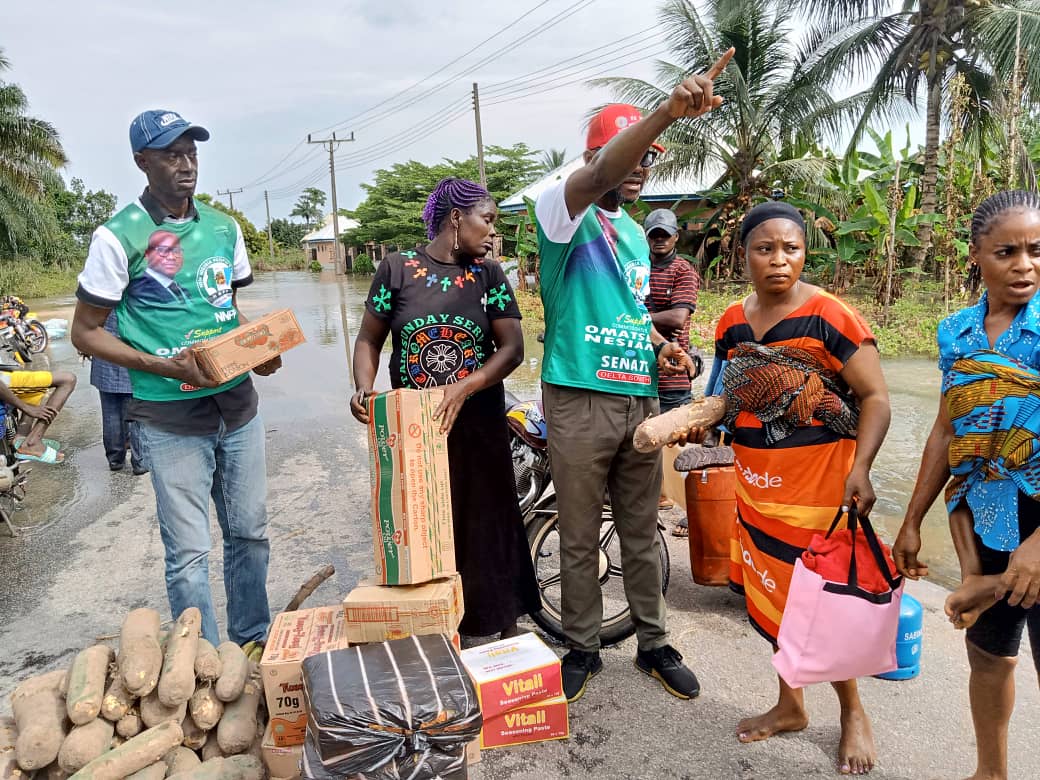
x,y
315,267
363,265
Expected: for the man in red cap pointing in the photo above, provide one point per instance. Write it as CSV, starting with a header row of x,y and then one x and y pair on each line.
x,y
599,379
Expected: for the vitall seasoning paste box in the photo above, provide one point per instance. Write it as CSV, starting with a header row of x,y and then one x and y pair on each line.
x,y
411,491
513,672
537,722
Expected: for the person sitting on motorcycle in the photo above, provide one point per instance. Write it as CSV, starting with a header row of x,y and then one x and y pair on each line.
x,y
27,392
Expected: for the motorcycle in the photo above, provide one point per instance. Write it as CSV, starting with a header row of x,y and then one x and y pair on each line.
x,y
13,472
15,313
537,498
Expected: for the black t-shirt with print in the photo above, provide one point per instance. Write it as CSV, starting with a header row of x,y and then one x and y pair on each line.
x,y
439,315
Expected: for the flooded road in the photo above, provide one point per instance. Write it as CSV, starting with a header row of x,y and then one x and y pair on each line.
x,y
305,410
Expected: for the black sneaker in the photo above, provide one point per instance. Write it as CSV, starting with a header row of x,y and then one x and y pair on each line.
x,y
577,668
665,665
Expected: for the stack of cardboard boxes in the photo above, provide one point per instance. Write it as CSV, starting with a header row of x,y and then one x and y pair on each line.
x,y
294,636
415,591
520,687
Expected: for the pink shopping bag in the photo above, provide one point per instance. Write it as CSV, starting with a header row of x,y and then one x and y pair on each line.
x,y
834,631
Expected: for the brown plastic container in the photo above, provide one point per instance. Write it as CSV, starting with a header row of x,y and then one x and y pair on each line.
x,y
711,510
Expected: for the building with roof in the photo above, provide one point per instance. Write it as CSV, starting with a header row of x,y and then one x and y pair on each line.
x,y
320,244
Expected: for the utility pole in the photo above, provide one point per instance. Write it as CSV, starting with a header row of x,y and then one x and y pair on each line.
x,y
480,138
270,237
230,196
332,144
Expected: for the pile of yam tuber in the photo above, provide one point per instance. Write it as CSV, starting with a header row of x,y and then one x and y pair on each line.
x,y
166,704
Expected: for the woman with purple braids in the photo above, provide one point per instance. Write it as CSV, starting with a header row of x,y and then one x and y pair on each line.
x,y
455,324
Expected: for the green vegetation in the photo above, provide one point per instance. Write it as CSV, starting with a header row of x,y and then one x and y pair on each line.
x,y
284,260
30,278
910,330
310,207
551,159
392,210
287,234
530,304
30,154
962,66
363,265
255,241
776,106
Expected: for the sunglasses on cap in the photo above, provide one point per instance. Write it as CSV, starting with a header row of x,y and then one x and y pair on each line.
x,y
646,161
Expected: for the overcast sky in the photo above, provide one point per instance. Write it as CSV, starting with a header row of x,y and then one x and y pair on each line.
x,y
261,75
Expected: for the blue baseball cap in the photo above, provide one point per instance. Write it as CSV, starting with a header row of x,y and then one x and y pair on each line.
x,y
159,128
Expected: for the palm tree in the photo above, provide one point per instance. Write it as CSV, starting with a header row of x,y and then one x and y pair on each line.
x,y
927,43
30,153
551,159
765,135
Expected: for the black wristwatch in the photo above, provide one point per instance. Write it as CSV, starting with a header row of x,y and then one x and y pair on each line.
x,y
658,348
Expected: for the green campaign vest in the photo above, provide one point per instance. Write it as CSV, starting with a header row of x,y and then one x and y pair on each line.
x,y
168,306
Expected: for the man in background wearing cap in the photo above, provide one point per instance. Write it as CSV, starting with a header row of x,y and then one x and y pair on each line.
x,y
201,439
599,380
672,299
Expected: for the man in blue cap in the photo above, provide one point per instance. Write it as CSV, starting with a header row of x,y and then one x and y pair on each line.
x,y
171,266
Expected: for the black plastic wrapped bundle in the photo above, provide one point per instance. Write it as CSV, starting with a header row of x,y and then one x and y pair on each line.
x,y
388,711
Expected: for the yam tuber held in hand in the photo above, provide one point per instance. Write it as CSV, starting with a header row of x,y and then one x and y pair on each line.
x,y
657,432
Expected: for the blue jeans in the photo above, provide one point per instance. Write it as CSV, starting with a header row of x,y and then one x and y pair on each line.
x,y
231,469
116,432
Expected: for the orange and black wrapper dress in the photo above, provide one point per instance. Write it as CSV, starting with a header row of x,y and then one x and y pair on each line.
x,y
790,489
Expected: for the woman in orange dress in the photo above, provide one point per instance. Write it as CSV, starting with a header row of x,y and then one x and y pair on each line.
x,y
808,409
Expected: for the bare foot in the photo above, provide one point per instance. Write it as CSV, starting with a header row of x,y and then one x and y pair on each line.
x,y
776,721
975,595
856,751
986,776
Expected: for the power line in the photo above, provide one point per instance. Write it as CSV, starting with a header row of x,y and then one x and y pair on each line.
x,y
619,43
510,90
266,176
452,80
558,71
555,86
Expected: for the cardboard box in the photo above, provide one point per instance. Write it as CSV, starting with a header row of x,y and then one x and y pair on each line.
x,y
537,722
293,637
411,494
247,346
377,612
513,672
282,762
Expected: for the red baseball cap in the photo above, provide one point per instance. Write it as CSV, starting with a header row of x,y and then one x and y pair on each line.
x,y
611,121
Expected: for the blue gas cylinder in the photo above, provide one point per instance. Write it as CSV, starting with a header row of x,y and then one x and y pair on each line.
x,y
908,641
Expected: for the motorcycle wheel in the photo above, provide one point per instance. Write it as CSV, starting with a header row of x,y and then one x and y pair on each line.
x,y
36,336
19,345
543,538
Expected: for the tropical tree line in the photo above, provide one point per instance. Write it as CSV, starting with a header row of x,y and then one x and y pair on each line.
x,y
812,76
